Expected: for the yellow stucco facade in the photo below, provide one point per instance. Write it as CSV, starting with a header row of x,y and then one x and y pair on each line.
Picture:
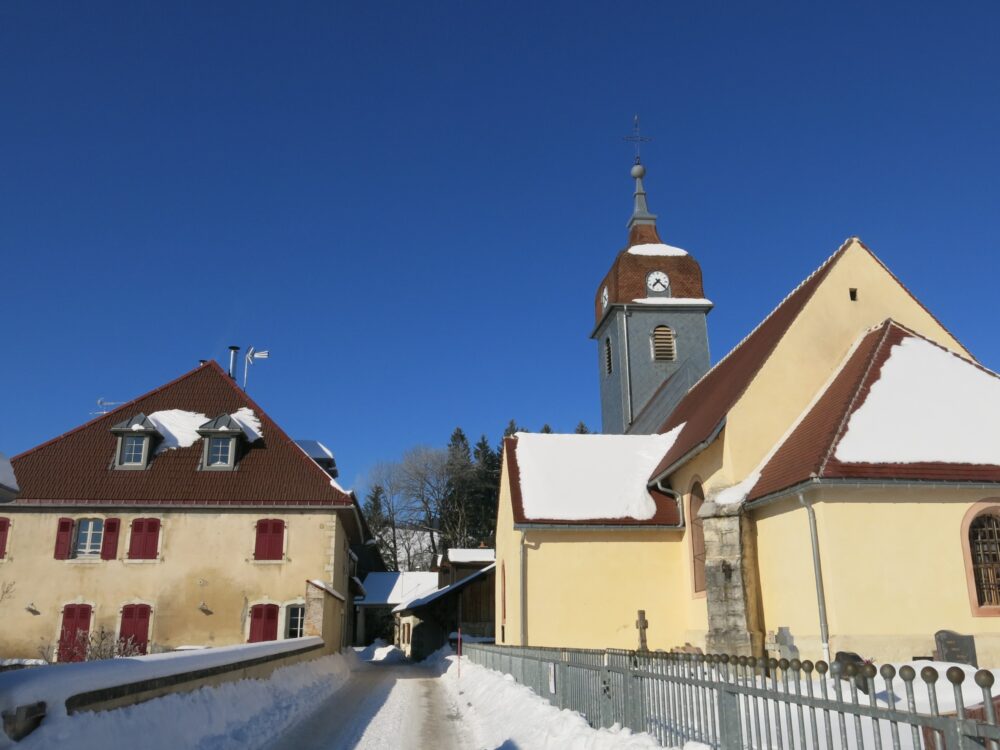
x,y
200,587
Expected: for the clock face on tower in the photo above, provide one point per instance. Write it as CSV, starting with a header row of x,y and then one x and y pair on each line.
x,y
604,297
658,282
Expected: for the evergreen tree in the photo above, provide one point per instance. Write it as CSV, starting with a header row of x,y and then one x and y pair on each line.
x,y
486,489
455,512
546,430
581,429
380,525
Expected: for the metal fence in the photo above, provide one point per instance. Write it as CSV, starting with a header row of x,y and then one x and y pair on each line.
x,y
731,703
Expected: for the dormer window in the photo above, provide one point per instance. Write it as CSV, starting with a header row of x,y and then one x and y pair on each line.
x,y
136,437
221,436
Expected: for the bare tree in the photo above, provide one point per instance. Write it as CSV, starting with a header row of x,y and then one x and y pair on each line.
x,y
425,485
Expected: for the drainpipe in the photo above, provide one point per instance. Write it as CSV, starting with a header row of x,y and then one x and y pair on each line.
x,y
524,592
677,498
628,373
824,630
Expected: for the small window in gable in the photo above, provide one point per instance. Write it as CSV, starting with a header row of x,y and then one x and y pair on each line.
x,y
136,438
222,437
664,347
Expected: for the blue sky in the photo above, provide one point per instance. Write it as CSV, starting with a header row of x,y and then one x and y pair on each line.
x,y
411,204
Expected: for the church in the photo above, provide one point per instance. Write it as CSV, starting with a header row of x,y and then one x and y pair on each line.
x,y
831,484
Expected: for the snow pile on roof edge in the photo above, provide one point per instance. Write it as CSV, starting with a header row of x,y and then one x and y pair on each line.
x,y
656,248
178,428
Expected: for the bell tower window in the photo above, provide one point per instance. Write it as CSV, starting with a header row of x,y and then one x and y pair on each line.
x,y
663,344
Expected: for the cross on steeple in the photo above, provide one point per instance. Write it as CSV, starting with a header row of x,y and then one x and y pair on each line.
x,y
637,138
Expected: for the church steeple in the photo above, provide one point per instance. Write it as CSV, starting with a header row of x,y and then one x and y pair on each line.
x,y
640,213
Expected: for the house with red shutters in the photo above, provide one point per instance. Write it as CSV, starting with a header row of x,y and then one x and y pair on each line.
x,y
184,518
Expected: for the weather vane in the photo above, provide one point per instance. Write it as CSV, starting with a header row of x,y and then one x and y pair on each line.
x,y
637,138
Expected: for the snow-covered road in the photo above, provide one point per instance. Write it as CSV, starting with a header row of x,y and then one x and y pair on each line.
x,y
383,705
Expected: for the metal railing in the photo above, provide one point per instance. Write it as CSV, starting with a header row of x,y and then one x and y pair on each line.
x,y
736,703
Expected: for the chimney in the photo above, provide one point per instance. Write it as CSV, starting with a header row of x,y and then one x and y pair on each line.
x,y
232,361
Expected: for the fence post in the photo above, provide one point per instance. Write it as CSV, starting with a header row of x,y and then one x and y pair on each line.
x,y
730,734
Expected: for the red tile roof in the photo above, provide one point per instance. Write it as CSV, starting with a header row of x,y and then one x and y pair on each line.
x,y
809,451
77,467
667,512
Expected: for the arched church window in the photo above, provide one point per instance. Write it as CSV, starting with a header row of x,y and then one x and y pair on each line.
x,y
664,346
607,356
697,538
984,548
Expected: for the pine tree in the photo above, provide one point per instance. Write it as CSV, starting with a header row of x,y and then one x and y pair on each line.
x,y
381,526
456,511
581,429
486,488
546,430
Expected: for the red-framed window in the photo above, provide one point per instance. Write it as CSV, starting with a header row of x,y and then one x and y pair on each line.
x,y
263,623
4,533
135,626
145,539
75,632
270,539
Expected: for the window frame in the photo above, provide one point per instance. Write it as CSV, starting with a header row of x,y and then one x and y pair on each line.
x,y
120,463
206,455
286,627
78,523
692,522
983,507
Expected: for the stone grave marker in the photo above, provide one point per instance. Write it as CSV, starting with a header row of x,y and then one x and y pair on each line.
x,y
952,646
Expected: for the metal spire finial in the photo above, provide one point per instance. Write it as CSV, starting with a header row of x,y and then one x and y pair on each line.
x,y
640,214
637,138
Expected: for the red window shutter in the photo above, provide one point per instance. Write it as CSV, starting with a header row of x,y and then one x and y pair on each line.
x,y
263,623
76,620
270,622
109,542
135,625
64,538
136,540
256,623
145,538
4,531
270,539
152,539
260,545
277,539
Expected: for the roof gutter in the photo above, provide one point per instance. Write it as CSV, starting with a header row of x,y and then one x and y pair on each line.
x,y
860,483
688,456
593,526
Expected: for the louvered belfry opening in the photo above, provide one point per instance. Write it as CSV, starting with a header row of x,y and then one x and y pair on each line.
x,y
984,544
607,356
664,347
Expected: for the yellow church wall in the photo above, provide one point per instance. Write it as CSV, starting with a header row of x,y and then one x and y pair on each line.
x,y
813,347
203,557
894,571
508,560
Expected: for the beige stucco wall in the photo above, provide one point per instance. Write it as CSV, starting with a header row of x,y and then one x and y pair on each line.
x,y
893,566
204,557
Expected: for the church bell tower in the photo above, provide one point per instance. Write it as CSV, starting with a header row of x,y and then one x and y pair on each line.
x,y
651,329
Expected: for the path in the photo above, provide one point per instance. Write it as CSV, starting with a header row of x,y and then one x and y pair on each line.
x,y
382,706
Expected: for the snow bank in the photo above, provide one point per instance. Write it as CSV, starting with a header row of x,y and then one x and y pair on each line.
x,y
380,651
54,684
580,477
250,423
927,405
235,715
505,714
656,248
458,555
179,428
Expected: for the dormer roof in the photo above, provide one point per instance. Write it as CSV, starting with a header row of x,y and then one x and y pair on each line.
x,y
137,424
224,424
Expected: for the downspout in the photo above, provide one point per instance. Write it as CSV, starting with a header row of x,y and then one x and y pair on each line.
x,y
677,498
524,591
628,373
824,630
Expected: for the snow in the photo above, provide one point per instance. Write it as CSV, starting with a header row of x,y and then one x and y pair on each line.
x,y
246,714
7,478
380,651
328,588
57,683
677,301
22,662
459,555
428,598
656,248
580,477
178,428
735,494
394,588
927,405
250,423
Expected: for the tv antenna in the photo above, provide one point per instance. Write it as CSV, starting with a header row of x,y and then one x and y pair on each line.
x,y
248,361
637,137
104,406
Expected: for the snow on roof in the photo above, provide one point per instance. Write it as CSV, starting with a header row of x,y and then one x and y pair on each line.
x,y
580,477
679,301
656,248
328,588
459,555
928,405
249,422
7,478
394,588
179,428
428,598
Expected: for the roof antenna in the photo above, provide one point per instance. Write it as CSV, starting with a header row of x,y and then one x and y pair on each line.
x,y
251,355
104,406
232,361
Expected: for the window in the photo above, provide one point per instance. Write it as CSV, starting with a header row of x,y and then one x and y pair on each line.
x,y
263,623
697,538
295,618
144,541
270,539
219,451
4,532
74,636
133,636
984,548
89,534
663,346
607,356
133,450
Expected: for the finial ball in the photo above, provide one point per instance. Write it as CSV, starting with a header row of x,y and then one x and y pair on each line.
x,y
638,171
